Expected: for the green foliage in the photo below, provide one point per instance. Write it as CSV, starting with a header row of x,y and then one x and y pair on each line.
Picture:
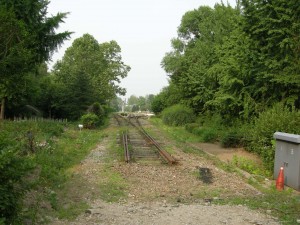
x,y
191,127
232,139
157,104
17,160
89,72
53,161
250,166
208,128
191,63
278,118
99,111
90,120
167,97
29,40
178,115
237,62
209,135
272,27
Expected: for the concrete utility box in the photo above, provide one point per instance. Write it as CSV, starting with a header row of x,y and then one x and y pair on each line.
x,y
287,155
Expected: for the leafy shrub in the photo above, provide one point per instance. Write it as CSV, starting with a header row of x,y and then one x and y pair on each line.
x,y
231,139
12,187
190,127
16,161
90,120
277,118
209,135
97,109
178,115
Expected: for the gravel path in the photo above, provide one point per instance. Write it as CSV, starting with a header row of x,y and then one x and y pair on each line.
x,y
173,214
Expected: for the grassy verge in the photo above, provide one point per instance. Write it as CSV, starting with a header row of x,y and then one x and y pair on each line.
x,y
113,187
176,133
284,205
56,188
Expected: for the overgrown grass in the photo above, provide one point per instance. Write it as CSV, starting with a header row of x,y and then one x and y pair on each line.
x,y
177,133
20,142
65,152
54,160
180,136
250,166
36,156
112,187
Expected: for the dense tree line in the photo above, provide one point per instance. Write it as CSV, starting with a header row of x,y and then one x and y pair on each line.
x,y
236,62
141,103
27,39
89,71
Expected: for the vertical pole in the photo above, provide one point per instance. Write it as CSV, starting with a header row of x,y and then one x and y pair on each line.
x,y
2,108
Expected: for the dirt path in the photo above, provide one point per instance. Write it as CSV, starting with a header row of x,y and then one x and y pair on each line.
x,y
161,194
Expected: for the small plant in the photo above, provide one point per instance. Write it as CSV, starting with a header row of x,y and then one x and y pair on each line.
x,y
90,120
250,166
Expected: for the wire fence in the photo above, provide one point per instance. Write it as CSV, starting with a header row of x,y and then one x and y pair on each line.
x,y
40,119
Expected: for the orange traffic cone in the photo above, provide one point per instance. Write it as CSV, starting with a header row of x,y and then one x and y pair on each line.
x,y
280,180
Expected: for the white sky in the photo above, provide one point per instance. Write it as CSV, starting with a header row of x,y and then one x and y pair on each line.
x,y
142,28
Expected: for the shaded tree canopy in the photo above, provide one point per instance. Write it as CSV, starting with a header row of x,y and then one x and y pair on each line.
x,y
28,38
89,72
237,61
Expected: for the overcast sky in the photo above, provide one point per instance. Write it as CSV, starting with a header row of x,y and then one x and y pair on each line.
x,y
142,28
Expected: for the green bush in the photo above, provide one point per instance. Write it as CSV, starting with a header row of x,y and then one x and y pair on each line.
x,y
277,118
190,127
232,139
18,141
178,115
209,135
97,109
90,120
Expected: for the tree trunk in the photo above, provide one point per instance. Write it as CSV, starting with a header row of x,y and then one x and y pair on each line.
x,y
2,109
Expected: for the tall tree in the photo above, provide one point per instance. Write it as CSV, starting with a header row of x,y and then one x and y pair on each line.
x,y
274,31
89,72
200,34
27,39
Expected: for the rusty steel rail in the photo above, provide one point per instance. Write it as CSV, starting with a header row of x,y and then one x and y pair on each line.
x,y
125,146
124,141
165,155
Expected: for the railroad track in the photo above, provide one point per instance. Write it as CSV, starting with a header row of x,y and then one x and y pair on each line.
x,y
143,145
124,139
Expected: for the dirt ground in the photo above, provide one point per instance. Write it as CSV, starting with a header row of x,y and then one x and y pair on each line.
x,y
175,195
